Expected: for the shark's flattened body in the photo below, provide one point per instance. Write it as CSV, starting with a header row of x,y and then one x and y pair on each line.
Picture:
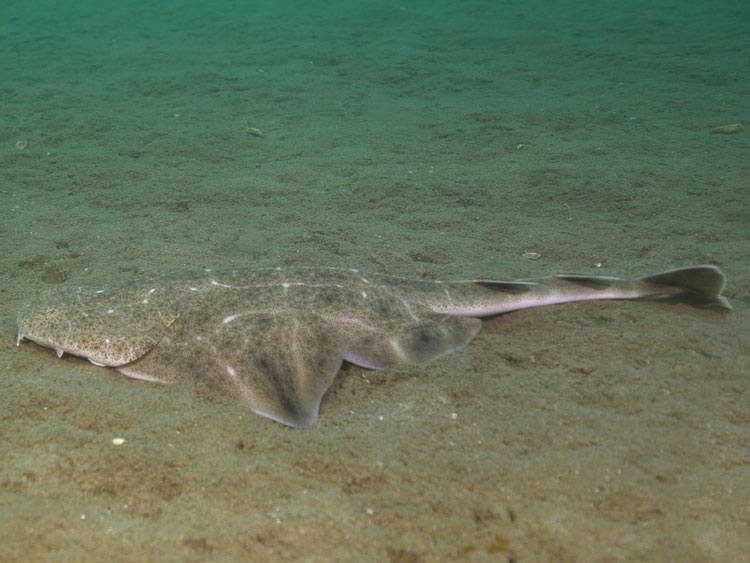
x,y
276,337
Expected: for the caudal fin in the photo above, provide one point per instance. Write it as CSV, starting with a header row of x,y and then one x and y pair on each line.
x,y
701,285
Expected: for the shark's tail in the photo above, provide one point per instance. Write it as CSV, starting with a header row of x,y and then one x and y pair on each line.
x,y
701,285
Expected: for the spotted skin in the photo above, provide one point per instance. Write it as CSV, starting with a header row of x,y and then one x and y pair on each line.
x,y
276,337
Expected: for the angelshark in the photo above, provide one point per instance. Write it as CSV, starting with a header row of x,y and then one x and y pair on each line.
x,y
276,337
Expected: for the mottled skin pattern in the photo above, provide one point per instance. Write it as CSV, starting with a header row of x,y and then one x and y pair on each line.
x,y
275,337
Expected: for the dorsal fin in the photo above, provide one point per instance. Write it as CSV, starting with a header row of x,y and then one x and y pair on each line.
x,y
507,286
